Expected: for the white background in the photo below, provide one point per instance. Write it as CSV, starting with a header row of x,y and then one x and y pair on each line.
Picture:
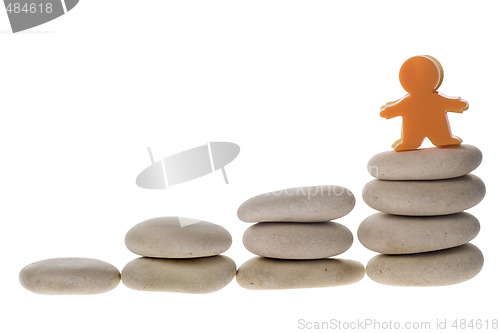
x,y
297,84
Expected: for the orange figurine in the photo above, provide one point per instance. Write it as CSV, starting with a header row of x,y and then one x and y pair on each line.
x,y
423,109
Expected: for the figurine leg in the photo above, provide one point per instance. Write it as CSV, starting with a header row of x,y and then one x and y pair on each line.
x,y
396,143
408,143
440,141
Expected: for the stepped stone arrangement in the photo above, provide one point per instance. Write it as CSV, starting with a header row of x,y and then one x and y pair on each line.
x,y
422,232
293,236
178,258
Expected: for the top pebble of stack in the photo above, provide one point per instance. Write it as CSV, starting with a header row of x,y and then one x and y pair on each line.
x,y
300,204
425,164
166,237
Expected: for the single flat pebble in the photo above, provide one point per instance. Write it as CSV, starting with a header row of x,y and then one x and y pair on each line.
x,y
396,234
439,268
424,197
292,240
194,276
165,237
264,273
69,276
300,204
425,164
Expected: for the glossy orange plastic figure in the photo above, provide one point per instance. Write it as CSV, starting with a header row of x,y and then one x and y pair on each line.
x,y
423,109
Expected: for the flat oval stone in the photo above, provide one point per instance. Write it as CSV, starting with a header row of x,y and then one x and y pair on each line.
x,y
69,276
425,164
164,237
194,276
396,234
437,268
292,240
424,197
300,204
264,273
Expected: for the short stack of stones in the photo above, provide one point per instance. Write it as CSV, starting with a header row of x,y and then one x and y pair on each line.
x,y
178,255
294,237
422,232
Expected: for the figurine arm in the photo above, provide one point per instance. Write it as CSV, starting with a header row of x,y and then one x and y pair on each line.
x,y
455,104
392,109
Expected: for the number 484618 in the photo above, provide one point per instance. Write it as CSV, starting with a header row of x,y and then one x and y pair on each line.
x,y
29,8
463,324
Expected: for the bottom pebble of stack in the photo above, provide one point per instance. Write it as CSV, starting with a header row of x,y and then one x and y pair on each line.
x,y
265,273
437,268
195,275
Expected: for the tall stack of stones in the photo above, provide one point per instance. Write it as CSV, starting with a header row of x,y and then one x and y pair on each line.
x,y
422,231
178,255
293,237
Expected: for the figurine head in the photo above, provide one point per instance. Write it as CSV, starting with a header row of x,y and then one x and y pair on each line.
x,y
421,74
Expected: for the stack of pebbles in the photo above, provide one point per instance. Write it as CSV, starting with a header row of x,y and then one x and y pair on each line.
x,y
422,232
178,255
294,236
